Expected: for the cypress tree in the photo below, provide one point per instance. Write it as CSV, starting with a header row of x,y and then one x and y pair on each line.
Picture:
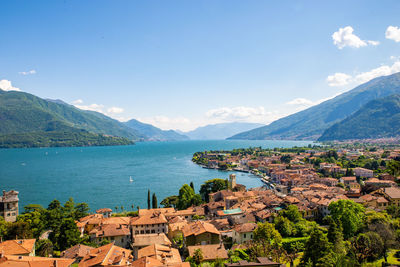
x,y
155,203
192,185
148,199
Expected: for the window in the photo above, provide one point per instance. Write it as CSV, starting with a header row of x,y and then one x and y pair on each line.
x,y
244,235
153,231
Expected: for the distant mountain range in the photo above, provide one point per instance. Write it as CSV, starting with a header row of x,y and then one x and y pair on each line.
x,y
379,118
311,123
220,130
153,133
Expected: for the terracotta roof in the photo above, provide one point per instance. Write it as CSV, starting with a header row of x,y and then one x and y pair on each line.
x,y
165,254
149,239
154,218
143,212
27,261
116,220
392,192
146,262
77,251
245,227
104,210
110,230
210,252
107,255
17,247
199,227
349,178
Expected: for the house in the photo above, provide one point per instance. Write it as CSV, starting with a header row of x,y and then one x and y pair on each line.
x,y
175,226
165,254
379,183
243,232
108,255
30,261
21,247
347,180
210,252
106,212
76,252
392,194
200,232
362,172
117,233
141,241
152,223
9,205
261,262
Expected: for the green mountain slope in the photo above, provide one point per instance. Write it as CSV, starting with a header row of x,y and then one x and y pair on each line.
x,y
22,113
153,133
377,119
312,122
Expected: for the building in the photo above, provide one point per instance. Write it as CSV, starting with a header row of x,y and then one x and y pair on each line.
x,y
362,172
30,261
106,212
347,180
118,233
142,241
232,181
165,254
393,195
153,223
108,255
9,205
210,252
261,262
243,232
20,247
77,252
200,233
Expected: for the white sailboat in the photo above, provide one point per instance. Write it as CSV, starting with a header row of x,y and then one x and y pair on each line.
x,y
130,179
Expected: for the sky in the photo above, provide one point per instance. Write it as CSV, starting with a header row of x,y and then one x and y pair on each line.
x,y
184,64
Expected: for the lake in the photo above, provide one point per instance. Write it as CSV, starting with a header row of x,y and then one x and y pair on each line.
x,y
100,175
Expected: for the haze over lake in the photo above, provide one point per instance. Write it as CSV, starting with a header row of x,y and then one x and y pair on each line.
x,y
100,175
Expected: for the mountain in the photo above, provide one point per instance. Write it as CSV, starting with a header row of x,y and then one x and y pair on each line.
x,y
377,119
312,122
220,130
153,133
28,115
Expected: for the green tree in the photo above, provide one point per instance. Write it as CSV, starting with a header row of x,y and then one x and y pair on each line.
x,y
284,226
212,186
154,201
316,250
187,198
148,199
198,256
44,248
170,201
292,213
81,210
19,230
350,215
68,235
192,186
267,237
335,236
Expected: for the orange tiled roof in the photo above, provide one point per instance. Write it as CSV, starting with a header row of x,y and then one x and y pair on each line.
x,y
165,254
199,227
108,255
210,252
154,218
28,261
17,247
77,251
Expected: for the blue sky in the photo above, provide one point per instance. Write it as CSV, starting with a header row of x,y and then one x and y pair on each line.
x,y
182,64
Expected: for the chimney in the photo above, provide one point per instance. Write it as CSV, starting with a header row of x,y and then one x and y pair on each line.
x,y
4,193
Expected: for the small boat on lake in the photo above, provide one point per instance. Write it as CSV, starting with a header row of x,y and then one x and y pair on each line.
x,y
130,179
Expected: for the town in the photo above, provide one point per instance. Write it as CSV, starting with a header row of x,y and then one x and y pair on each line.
x,y
332,205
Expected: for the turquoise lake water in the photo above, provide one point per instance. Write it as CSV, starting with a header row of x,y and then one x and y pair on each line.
x,y
100,175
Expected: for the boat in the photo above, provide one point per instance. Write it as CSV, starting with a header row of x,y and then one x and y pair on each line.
x,y
130,179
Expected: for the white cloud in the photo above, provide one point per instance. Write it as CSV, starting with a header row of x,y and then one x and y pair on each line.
x,y
92,107
77,102
6,86
341,79
345,37
115,110
27,72
393,33
167,123
236,113
338,79
300,102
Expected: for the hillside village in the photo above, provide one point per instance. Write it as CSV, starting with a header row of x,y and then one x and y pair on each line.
x,y
304,187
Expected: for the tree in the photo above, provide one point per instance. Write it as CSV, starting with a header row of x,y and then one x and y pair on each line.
x,y
148,199
367,246
19,230
292,213
44,248
33,207
170,201
154,201
267,237
81,210
350,215
286,159
68,235
284,226
192,186
198,256
187,198
212,186
335,236
317,249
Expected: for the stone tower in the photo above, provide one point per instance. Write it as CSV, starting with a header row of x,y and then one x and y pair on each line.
x,y
9,205
232,181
